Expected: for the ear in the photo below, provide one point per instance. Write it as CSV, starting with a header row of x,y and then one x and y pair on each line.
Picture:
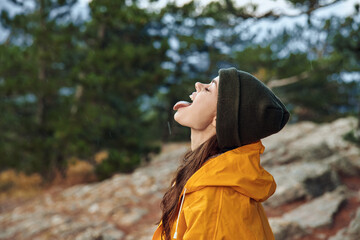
x,y
213,123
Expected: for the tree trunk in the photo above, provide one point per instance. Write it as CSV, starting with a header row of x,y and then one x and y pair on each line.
x,y
41,69
50,154
357,130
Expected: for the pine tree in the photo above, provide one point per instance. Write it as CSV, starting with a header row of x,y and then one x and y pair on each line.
x,y
35,69
120,69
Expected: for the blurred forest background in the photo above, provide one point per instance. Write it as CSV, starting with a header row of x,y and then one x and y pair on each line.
x,y
99,90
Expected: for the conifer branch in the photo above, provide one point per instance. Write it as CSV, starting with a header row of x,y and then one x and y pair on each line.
x,y
242,13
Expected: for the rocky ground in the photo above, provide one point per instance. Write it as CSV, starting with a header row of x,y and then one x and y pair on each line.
x,y
317,196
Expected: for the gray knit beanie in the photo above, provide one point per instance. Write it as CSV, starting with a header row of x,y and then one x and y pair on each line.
x,y
247,110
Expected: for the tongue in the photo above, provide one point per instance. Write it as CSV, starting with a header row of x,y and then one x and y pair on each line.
x,y
181,104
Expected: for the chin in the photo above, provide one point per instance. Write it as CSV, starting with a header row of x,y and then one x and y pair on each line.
x,y
177,117
180,119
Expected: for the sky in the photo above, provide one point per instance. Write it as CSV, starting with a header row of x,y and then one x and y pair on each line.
x,y
342,8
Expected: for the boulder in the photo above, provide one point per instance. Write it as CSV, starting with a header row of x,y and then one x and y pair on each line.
x,y
284,230
345,162
352,232
306,142
318,212
304,158
299,180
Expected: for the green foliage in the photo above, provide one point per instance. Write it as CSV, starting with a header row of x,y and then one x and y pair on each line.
x,y
74,88
35,65
323,94
119,66
71,92
117,161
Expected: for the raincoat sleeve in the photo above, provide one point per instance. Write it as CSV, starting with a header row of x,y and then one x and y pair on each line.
x,y
215,213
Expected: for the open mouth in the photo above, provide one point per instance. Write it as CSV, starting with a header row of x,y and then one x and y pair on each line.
x,y
181,104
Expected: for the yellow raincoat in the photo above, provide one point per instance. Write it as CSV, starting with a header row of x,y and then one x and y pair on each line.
x,y
221,201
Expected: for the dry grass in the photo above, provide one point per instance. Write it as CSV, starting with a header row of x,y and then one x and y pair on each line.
x,y
19,185
16,185
79,171
101,156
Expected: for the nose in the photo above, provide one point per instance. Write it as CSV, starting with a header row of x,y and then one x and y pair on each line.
x,y
198,86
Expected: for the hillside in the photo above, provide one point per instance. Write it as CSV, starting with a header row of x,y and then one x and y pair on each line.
x,y
317,196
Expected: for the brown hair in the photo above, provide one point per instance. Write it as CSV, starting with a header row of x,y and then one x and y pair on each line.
x,y
192,161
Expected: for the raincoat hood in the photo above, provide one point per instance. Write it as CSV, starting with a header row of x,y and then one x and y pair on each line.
x,y
222,200
239,169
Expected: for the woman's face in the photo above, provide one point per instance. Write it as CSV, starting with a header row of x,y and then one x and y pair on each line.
x,y
202,111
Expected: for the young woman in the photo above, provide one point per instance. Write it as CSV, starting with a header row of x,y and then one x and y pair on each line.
x,y
217,191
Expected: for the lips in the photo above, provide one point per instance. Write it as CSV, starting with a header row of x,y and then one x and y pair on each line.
x,y
181,104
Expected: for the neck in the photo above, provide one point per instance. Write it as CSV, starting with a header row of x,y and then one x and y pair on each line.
x,y
199,137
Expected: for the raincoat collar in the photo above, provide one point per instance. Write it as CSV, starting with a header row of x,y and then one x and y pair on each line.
x,y
239,169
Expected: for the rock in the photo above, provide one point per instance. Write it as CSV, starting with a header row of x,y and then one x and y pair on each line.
x,y
145,234
171,152
289,134
346,162
30,224
298,180
103,233
306,142
156,177
95,211
71,229
318,212
352,232
144,184
304,159
284,230
354,228
129,216
8,233
317,185
340,235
